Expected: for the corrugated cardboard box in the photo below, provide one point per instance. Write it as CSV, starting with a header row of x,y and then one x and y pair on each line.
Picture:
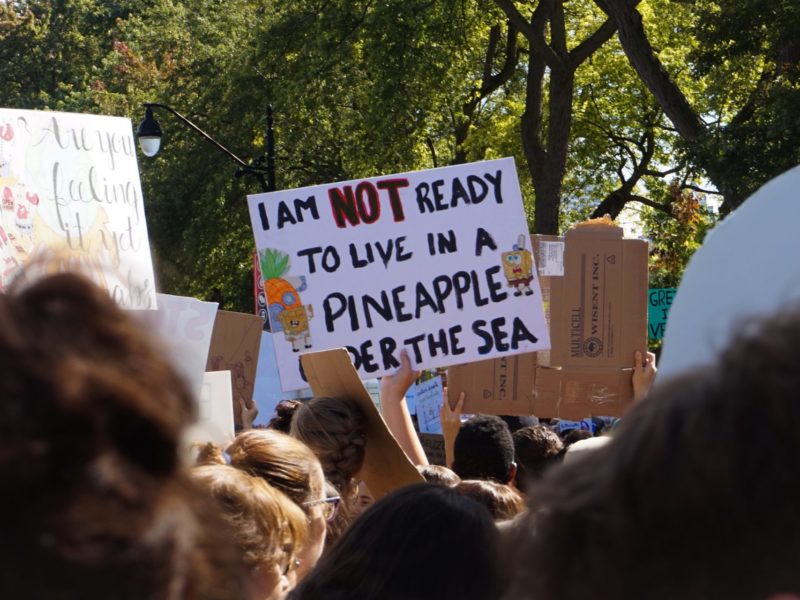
x,y
594,287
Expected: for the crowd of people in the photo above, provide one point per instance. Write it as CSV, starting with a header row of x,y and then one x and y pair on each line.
x,y
690,495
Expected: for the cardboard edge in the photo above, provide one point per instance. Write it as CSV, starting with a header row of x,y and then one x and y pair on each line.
x,y
386,467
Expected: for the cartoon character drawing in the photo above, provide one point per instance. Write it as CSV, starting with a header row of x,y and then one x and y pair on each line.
x,y
294,322
518,268
280,288
8,198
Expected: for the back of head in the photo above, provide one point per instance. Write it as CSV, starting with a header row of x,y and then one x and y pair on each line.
x,y
439,475
484,449
502,501
334,428
265,523
694,497
423,541
282,461
535,448
94,500
284,413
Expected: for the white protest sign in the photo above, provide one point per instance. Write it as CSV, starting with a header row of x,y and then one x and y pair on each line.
x,y
428,397
215,414
184,326
435,261
745,269
70,193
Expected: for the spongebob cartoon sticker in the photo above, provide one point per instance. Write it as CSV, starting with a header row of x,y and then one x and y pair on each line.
x,y
286,310
518,268
295,326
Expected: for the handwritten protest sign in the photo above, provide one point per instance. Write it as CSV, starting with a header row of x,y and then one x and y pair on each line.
x,y
658,302
70,193
435,261
428,398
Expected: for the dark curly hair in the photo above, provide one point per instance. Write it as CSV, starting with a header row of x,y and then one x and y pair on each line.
x,y
483,449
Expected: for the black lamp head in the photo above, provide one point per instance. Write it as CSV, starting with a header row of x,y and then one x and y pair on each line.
x,y
149,134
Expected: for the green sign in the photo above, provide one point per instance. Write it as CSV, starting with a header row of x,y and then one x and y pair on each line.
x,y
658,302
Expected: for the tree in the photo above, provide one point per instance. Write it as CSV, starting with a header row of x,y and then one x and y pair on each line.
x,y
753,136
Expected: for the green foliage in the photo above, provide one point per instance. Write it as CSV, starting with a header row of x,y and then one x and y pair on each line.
x,y
675,235
362,88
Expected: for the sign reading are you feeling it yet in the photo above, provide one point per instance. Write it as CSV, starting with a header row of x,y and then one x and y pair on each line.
x,y
70,195
437,262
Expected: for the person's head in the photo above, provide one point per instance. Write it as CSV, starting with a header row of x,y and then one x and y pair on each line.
x,y
578,450
694,497
575,435
536,448
284,413
266,526
483,449
364,500
437,474
502,501
422,542
288,465
94,501
334,429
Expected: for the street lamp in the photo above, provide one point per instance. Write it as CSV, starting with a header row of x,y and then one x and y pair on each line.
x,y
150,134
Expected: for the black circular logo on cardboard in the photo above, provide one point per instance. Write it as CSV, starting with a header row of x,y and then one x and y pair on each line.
x,y
592,347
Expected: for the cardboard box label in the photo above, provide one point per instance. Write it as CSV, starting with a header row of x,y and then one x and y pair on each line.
x,y
551,259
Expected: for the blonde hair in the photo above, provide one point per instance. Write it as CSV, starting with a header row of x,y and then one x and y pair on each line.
x,y
334,429
266,525
282,461
502,501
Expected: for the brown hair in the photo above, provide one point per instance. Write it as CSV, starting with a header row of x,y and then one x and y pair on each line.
x,y
502,501
282,461
536,448
265,523
284,413
439,475
94,499
334,429
694,497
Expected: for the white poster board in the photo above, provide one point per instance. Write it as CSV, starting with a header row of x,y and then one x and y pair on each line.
x,y
434,261
746,268
428,398
184,326
70,194
215,414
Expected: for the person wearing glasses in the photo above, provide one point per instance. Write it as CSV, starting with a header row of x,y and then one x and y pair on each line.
x,y
289,466
265,525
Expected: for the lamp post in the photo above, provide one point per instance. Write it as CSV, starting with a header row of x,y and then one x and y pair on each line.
x,y
150,134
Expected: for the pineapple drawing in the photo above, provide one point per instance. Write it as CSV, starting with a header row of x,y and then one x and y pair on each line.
x,y
286,310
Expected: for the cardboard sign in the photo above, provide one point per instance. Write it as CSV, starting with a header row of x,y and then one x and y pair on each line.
x,y
745,269
659,301
386,466
433,445
435,261
70,196
428,398
597,311
215,414
234,347
184,326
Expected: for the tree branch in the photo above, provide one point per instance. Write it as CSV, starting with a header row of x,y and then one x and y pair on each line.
x,y
533,30
590,45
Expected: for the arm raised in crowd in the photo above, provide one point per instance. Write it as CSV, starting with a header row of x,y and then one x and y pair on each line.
x,y
395,410
451,423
